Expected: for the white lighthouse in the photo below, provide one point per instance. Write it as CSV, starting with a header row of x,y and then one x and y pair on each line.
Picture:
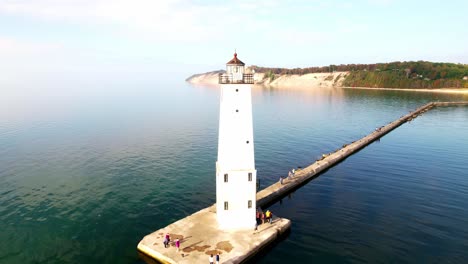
x,y
236,176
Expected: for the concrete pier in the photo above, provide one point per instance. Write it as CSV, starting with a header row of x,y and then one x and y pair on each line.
x,y
199,233
461,103
276,191
199,236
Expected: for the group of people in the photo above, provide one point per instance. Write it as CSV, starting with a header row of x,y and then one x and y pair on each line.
x,y
167,240
211,259
291,174
261,217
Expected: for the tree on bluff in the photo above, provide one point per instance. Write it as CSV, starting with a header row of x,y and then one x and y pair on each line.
x,y
411,74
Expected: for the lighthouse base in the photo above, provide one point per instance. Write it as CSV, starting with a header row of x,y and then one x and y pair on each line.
x,y
200,237
233,224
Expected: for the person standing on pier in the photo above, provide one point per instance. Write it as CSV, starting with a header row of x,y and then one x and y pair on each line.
x,y
177,244
217,258
281,180
211,259
257,219
167,239
257,216
268,216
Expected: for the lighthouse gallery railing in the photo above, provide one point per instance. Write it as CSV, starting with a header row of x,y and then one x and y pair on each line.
x,y
247,78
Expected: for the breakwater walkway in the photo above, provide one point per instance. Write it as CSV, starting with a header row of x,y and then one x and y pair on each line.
x,y
277,191
199,234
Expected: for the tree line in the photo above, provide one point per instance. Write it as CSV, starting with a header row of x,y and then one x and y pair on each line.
x,y
407,74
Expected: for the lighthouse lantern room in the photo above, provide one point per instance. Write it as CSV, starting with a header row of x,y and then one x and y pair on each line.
x,y
236,175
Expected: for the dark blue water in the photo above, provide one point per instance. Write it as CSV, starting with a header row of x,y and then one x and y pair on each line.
x,y
87,171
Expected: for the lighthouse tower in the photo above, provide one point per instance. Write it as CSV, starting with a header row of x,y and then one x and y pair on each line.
x,y
236,176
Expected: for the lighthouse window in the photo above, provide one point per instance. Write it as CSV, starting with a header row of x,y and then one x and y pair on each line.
x,y
226,206
250,176
249,204
237,90
237,110
247,142
226,177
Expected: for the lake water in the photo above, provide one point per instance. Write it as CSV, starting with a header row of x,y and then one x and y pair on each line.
x,y
86,171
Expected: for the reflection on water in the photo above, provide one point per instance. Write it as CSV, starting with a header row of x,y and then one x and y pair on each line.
x,y
86,171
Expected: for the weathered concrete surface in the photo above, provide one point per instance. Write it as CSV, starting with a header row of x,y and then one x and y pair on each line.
x,y
200,237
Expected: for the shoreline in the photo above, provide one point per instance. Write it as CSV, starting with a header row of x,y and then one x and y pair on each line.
x,y
306,88
309,81
437,90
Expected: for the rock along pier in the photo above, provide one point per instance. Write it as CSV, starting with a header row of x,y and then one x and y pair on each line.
x,y
199,233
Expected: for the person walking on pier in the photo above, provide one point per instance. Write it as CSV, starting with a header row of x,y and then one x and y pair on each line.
x,y
217,258
281,180
268,216
167,239
211,259
177,244
257,219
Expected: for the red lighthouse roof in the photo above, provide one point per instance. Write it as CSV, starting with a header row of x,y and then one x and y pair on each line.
x,y
235,61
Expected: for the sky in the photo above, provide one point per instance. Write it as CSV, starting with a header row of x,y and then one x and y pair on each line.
x,y
104,39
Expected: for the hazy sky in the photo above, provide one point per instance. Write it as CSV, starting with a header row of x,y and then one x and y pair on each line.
x,y
108,38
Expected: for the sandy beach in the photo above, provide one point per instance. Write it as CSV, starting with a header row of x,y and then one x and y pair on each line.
x,y
439,90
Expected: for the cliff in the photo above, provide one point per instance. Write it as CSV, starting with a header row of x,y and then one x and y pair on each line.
x,y
207,78
334,79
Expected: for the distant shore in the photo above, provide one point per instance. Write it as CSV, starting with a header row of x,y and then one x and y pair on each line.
x,y
280,81
308,81
438,90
